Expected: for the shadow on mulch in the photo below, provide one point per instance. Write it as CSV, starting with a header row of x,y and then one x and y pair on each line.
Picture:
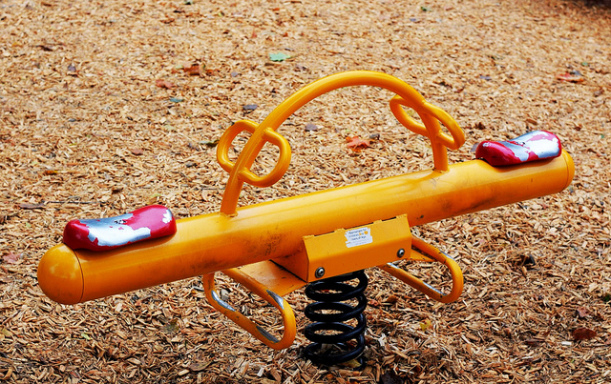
x,y
594,3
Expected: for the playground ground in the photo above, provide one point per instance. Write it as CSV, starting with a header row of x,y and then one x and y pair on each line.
x,y
106,106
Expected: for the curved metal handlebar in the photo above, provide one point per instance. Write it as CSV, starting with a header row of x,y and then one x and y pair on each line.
x,y
288,316
430,254
239,172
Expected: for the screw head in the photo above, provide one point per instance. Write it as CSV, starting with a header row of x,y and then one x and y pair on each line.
x,y
320,272
401,253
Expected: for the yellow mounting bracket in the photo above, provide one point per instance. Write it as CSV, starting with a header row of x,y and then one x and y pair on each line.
x,y
348,250
431,116
255,286
425,252
383,241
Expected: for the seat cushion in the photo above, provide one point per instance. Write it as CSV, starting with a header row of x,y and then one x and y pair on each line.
x,y
532,146
146,223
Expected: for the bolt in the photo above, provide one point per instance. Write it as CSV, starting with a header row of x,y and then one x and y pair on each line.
x,y
401,253
320,272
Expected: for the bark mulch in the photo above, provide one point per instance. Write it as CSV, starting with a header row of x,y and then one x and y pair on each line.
x,y
106,106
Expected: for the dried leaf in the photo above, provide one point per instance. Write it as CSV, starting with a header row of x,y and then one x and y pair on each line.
x,y
161,83
571,77
426,324
12,258
171,327
116,188
311,127
279,56
31,206
354,363
210,143
211,72
193,70
356,143
582,312
583,334
391,299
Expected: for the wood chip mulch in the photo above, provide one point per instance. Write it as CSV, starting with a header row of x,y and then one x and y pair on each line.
x,y
107,106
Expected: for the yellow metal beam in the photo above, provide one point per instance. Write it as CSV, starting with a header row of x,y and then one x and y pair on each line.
x,y
214,242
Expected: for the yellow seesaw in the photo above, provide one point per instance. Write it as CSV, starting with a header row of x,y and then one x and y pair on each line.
x,y
276,247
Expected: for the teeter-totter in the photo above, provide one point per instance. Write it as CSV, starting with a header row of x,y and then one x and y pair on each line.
x,y
321,240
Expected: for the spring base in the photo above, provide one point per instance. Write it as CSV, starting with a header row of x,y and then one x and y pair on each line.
x,y
336,341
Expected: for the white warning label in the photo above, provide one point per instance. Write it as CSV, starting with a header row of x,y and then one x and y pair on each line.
x,y
359,236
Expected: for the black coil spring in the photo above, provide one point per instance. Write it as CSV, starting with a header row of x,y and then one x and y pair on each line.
x,y
329,333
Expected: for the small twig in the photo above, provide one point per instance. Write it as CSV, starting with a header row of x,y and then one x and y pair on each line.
x,y
73,202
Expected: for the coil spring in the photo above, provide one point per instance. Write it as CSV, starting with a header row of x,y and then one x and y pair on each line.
x,y
329,333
